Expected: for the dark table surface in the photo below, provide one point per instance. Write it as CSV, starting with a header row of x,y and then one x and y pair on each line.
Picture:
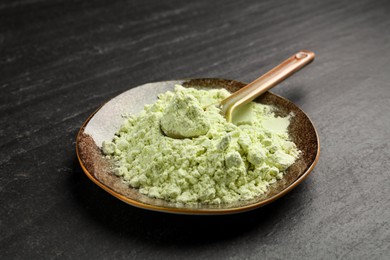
x,y
59,60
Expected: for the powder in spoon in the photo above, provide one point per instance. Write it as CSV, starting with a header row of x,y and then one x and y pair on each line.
x,y
223,163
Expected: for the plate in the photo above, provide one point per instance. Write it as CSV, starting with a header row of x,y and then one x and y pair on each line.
x,y
106,120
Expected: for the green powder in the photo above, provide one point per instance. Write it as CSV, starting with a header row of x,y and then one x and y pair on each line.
x,y
184,117
219,162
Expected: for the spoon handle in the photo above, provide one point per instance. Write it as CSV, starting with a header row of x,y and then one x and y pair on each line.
x,y
265,82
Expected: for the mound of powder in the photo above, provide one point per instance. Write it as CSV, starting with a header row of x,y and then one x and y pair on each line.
x,y
223,163
184,117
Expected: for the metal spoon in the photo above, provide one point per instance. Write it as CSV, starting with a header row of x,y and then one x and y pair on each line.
x,y
256,87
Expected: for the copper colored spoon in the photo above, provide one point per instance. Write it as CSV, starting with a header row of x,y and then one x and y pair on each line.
x,y
265,82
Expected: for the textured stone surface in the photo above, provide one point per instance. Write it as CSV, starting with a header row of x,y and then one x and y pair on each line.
x,y
60,60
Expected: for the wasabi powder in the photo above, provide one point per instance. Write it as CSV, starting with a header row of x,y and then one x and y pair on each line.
x,y
218,162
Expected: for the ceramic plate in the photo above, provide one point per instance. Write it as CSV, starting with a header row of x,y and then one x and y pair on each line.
x,y
105,121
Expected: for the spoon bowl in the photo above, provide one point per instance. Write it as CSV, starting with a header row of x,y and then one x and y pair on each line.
x,y
105,121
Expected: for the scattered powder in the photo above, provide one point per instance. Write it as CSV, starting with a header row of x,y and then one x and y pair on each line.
x,y
219,162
